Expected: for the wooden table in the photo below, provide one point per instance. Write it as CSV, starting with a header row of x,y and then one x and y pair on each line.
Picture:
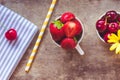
x,y
54,63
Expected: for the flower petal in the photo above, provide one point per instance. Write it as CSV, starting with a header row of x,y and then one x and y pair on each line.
x,y
114,46
118,33
113,36
117,49
113,41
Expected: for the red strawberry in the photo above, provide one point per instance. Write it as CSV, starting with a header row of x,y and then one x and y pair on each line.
x,y
68,43
80,26
11,34
67,17
72,28
56,30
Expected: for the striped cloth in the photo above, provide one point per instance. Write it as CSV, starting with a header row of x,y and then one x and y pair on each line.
x,y
11,52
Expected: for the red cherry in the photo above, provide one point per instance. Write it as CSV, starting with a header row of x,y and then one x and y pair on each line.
x,y
113,27
67,16
106,37
111,15
101,25
118,18
11,34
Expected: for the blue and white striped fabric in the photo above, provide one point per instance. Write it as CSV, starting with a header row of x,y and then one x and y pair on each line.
x,y
11,52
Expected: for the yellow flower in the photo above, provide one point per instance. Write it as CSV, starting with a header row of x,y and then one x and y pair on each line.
x,y
115,40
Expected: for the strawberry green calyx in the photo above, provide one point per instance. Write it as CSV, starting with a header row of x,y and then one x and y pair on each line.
x,y
75,39
58,24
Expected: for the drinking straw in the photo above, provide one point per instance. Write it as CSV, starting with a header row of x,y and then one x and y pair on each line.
x,y
34,51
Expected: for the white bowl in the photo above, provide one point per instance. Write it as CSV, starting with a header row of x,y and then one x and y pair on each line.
x,y
78,48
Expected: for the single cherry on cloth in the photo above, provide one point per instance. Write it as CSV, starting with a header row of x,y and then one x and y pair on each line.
x,y
11,34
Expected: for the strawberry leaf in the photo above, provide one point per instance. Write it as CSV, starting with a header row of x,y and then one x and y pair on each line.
x,y
58,24
75,39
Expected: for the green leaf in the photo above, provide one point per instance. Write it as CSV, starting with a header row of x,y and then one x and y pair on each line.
x,y
75,39
58,24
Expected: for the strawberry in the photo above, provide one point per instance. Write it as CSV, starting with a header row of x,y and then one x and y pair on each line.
x,y
80,26
72,28
56,30
68,43
67,16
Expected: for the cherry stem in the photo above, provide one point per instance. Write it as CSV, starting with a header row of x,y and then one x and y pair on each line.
x,y
106,20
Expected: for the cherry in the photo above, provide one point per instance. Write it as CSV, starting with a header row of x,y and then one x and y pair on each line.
x,y
107,24
11,34
106,37
101,25
113,27
111,15
118,18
